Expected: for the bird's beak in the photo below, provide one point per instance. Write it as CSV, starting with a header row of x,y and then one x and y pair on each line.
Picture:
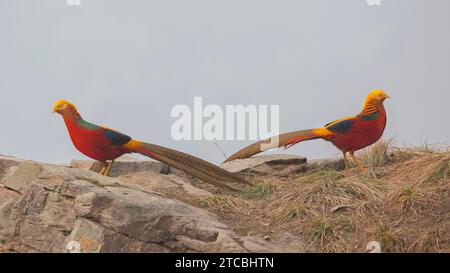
x,y
387,96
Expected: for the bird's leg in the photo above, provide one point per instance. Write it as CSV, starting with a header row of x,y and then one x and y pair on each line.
x,y
104,164
345,161
108,168
355,160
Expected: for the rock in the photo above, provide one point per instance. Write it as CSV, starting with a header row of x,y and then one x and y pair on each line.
x,y
90,165
278,165
287,243
328,164
7,200
187,186
145,175
23,176
145,218
49,208
123,165
6,163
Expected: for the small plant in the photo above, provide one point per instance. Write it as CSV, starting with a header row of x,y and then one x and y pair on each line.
x,y
408,200
426,148
404,154
348,224
320,229
323,235
438,169
320,175
387,237
258,191
292,213
220,202
376,155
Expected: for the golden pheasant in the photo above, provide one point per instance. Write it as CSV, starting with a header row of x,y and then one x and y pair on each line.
x,y
348,134
104,144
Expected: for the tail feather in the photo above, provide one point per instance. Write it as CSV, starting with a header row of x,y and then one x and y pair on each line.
x,y
284,140
191,165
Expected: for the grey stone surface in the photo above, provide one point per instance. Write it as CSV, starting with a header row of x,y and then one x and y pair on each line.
x,y
49,208
278,165
330,164
123,165
6,163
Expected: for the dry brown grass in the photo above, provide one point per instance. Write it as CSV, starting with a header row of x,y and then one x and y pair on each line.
x,y
258,190
438,168
220,202
319,193
406,208
376,155
326,207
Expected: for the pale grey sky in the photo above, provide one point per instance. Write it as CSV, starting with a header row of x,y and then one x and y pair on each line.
x,y
127,63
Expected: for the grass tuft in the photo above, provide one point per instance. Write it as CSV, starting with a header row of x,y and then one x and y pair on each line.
x,y
258,191
320,175
325,235
376,155
291,213
438,169
387,236
222,203
331,211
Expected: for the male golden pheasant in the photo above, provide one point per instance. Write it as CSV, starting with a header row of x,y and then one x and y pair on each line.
x,y
348,134
104,144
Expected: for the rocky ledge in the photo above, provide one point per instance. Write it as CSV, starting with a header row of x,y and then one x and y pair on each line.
x,y
55,208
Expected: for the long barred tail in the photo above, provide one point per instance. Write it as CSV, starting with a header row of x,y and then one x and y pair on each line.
x,y
284,140
191,165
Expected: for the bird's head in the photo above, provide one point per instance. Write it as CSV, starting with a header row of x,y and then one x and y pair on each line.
x,y
377,95
63,106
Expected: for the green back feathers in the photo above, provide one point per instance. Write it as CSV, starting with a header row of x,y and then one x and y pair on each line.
x,y
87,125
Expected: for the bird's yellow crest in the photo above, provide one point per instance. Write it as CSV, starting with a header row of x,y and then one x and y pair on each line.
x,y
377,94
373,100
61,105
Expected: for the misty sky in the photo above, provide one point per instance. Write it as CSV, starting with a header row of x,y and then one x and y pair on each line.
x,y
125,64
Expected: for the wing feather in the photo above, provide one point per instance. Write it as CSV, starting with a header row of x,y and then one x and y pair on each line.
x,y
341,126
116,138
